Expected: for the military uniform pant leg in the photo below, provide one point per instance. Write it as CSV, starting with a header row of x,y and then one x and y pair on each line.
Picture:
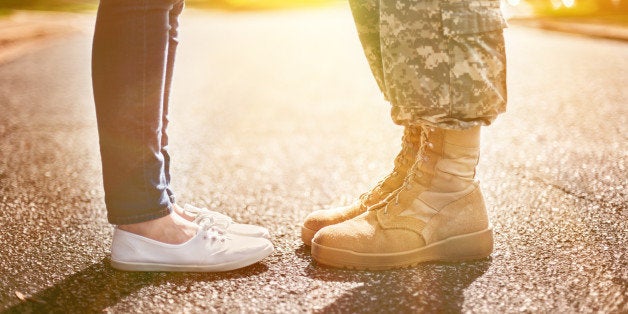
x,y
366,17
443,62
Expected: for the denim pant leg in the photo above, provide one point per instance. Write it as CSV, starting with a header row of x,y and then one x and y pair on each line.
x,y
131,71
173,42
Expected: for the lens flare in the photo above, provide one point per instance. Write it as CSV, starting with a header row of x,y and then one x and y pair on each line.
x,y
514,3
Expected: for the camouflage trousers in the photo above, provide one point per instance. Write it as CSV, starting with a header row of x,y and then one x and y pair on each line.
x,y
438,62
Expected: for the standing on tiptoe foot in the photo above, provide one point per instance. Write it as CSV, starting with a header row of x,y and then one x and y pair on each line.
x,y
442,66
132,65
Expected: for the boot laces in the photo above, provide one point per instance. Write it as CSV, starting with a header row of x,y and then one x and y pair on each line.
x,y
407,144
415,169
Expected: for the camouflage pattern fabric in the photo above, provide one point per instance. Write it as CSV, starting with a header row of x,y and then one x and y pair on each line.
x,y
438,62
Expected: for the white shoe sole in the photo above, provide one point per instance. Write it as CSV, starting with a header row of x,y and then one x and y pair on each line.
x,y
470,246
156,267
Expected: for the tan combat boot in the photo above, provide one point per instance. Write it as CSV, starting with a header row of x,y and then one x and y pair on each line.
x,y
437,215
316,220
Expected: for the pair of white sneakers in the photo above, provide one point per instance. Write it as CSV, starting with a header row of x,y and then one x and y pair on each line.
x,y
219,245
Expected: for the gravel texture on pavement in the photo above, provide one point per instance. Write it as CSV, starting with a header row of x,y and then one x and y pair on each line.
x,y
275,115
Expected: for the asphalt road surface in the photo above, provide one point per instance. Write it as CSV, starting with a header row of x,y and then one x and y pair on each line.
x,y
275,115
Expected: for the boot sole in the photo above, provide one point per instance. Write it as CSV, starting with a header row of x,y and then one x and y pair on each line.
x,y
307,235
465,247
157,267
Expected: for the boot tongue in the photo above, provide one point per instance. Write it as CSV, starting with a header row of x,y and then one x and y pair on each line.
x,y
374,196
391,182
410,145
420,171
403,162
409,148
427,185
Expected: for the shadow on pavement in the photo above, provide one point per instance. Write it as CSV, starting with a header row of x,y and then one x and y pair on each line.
x,y
303,252
99,286
430,287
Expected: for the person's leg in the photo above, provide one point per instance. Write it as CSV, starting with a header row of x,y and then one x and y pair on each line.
x,y
173,43
366,14
129,65
319,219
444,62
133,56
444,69
366,18
131,51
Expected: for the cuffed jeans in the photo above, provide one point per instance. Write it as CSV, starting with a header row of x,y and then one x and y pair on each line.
x,y
134,49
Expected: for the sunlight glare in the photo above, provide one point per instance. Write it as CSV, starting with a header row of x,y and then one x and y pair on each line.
x,y
514,3
569,3
556,4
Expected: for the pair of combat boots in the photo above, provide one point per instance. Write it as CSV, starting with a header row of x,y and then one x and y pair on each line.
x,y
430,208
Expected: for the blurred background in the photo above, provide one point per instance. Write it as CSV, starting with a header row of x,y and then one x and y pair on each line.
x,y
598,18
277,114
528,7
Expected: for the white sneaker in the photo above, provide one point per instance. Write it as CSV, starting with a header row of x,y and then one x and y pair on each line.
x,y
211,250
230,226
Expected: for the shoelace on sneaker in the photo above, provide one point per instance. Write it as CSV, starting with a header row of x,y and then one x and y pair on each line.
x,y
407,182
215,230
213,223
202,213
